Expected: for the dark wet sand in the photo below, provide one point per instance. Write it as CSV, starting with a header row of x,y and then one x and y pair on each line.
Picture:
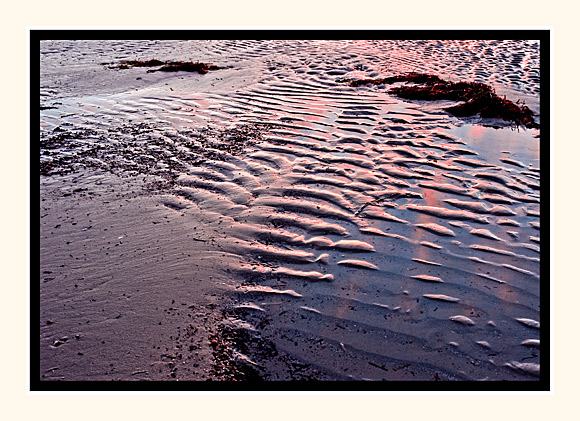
x,y
119,291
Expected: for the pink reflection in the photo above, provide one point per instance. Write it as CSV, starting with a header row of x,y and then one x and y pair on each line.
x,y
418,234
476,131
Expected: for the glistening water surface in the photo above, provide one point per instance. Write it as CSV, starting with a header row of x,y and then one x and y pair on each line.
x,y
367,237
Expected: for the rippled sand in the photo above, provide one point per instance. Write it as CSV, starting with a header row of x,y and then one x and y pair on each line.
x,y
364,237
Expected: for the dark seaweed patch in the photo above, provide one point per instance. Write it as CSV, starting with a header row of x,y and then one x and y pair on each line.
x,y
478,98
226,343
168,66
123,149
420,78
139,63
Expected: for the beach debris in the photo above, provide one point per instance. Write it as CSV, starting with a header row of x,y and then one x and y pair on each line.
x,y
198,145
420,78
167,66
378,366
401,367
126,64
477,97
230,347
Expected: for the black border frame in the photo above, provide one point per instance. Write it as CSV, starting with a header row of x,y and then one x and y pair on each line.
x,y
543,384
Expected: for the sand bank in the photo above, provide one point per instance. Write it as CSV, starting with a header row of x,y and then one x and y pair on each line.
x,y
265,221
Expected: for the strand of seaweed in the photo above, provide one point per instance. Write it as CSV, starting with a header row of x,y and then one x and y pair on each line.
x,y
477,98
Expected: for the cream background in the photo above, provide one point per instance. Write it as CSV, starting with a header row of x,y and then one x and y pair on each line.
x,y
18,404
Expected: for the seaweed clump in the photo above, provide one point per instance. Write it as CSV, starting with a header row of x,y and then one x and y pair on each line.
x,y
229,346
168,66
139,63
138,147
478,98
420,78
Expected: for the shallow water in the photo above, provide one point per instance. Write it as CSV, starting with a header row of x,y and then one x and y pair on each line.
x,y
379,238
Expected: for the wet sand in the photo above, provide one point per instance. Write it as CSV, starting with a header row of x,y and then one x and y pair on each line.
x,y
264,222
119,290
